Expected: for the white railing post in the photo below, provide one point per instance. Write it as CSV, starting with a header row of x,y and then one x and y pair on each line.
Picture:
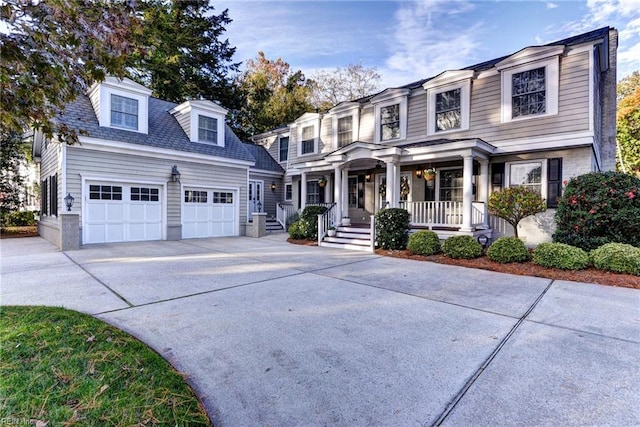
x,y
321,227
372,231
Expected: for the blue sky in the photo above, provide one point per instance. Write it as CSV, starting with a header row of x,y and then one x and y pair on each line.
x,y
410,40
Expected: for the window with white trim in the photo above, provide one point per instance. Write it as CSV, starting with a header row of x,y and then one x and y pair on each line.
x,y
391,117
207,129
105,192
448,110
195,196
283,149
526,174
451,184
288,192
144,194
313,192
448,107
390,122
222,197
124,112
308,140
345,131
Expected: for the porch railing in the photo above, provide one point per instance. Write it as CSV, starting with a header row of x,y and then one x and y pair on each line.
x,y
283,213
326,220
443,214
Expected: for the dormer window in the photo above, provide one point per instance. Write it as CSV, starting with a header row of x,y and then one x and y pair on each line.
x,y
528,93
207,129
390,108
448,110
449,101
345,123
124,112
345,131
390,122
308,140
307,134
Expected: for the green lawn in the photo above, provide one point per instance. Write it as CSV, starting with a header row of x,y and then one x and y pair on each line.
x,y
66,368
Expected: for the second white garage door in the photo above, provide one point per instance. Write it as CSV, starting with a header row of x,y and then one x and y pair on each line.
x,y
209,213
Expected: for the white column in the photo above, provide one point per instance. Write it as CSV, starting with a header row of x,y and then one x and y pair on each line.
x,y
344,190
396,184
390,184
483,189
467,193
303,190
337,193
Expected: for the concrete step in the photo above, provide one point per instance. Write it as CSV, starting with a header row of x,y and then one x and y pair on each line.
x,y
348,241
345,246
348,235
358,230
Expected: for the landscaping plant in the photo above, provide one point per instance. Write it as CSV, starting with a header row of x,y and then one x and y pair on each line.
x,y
599,208
298,230
560,255
309,217
424,242
462,247
392,228
508,249
513,204
617,257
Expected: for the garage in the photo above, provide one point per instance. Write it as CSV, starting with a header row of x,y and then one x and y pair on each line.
x,y
209,213
118,212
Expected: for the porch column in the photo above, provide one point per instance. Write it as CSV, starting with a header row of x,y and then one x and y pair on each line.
x,y
303,190
344,190
467,193
337,193
391,185
483,190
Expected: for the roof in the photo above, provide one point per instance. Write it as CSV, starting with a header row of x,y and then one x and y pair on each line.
x,y
264,160
164,131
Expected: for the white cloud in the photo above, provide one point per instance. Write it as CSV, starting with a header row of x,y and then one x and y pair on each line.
x,y
551,5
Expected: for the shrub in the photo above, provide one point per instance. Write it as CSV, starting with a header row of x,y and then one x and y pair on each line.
x,y
298,230
513,204
19,219
617,257
599,208
392,228
560,255
462,247
424,242
293,218
309,218
508,249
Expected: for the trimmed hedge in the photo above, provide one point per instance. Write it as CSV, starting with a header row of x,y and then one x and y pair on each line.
x,y
617,257
560,255
392,228
424,242
462,247
19,219
298,230
508,249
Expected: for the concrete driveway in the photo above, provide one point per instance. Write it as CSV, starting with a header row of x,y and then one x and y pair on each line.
x,y
272,334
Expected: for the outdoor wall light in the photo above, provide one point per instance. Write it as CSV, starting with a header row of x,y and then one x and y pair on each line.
x,y
68,201
367,176
175,174
419,172
483,240
259,207
273,186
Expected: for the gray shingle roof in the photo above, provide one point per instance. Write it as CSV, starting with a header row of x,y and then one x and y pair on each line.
x,y
264,160
164,131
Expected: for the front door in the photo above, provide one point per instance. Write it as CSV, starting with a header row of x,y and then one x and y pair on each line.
x,y
256,199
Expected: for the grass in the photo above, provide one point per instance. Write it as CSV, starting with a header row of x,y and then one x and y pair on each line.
x,y
62,367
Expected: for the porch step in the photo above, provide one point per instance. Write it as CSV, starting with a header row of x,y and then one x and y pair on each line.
x,y
347,240
353,238
273,226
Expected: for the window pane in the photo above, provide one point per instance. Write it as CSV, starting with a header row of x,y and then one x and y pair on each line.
x,y
284,148
207,129
451,185
313,192
124,112
345,131
448,110
288,192
390,122
528,93
353,192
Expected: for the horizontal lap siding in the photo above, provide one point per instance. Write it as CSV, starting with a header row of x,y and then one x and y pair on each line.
x,y
417,125
133,168
367,124
50,165
326,143
270,197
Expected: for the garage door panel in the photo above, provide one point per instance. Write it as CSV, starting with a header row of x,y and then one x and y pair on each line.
x,y
203,218
114,212
115,232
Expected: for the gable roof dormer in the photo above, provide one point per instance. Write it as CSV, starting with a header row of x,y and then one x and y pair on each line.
x,y
203,121
121,104
530,54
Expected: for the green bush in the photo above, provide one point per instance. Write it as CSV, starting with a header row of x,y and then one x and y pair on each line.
x,y
599,208
424,242
392,228
309,218
508,249
462,247
19,219
298,230
293,218
617,257
560,255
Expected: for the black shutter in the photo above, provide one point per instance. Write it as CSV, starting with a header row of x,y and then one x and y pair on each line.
x,y
554,181
300,194
53,195
497,176
44,197
321,194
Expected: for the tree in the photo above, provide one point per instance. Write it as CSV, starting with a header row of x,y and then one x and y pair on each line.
x,y
273,95
51,52
513,204
347,83
12,156
628,124
183,54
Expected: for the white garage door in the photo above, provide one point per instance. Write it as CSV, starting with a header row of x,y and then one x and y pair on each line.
x,y
119,212
208,213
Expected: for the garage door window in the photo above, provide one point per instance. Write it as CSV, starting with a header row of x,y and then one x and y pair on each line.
x,y
105,192
191,196
222,197
143,194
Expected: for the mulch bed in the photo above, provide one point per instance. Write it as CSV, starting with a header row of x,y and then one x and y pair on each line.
x,y
11,232
589,275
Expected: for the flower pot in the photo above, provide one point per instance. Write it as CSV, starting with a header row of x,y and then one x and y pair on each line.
x,y
346,222
331,233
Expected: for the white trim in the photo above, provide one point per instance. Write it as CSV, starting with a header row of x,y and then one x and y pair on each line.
x,y
264,172
204,108
104,98
552,142
316,136
285,192
591,90
552,84
278,138
403,109
197,186
465,106
543,174
448,78
260,196
119,147
354,112
529,55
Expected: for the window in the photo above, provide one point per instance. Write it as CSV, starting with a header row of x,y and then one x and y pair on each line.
x,y
528,93
207,129
526,175
124,112
105,192
451,185
288,192
44,200
345,131
390,122
283,149
353,192
313,192
308,141
222,197
143,194
53,194
448,110
195,196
